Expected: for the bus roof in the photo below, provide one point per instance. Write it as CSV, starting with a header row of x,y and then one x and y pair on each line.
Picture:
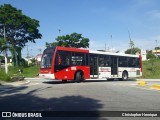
x,y
72,49
111,53
94,51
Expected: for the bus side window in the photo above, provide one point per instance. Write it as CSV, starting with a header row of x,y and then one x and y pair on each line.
x,y
101,61
58,59
123,62
78,59
63,58
107,61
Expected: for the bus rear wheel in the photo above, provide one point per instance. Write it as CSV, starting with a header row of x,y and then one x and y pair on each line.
x,y
124,76
79,76
64,81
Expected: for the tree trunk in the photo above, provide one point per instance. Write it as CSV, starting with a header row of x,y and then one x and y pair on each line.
x,y
0,64
15,54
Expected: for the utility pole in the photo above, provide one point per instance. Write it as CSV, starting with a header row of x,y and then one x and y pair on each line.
x,y
131,44
111,44
31,54
5,51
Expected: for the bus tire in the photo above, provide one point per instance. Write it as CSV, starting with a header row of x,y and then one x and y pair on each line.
x,y
124,75
79,76
64,81
110,79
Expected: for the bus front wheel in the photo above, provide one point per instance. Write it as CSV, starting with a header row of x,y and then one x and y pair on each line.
x,y
79,76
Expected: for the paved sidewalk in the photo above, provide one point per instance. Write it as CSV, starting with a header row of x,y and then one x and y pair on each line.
x,y
7,86
16,83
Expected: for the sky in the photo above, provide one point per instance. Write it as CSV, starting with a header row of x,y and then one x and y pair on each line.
x,y
104,22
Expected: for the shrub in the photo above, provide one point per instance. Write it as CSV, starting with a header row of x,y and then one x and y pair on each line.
x,y
24,63
4,76
150,56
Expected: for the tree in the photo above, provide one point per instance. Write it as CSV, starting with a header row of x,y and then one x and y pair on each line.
x,y
157,48
73,40
19,28
150,55
132,51
3,48
53,44
3,45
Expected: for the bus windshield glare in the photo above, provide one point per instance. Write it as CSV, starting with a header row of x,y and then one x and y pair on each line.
x,y
46,61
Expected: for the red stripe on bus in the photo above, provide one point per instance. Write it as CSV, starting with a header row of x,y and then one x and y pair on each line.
x,y
72,49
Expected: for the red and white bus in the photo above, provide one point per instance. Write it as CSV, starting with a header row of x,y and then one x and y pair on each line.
x,y
64,63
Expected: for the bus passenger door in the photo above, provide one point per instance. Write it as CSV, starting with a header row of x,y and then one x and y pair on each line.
x,y
93,66
114,66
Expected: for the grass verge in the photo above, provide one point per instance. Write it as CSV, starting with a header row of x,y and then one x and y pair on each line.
x,y
31,71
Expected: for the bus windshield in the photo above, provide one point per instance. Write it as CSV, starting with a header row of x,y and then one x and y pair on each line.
x,y
46,61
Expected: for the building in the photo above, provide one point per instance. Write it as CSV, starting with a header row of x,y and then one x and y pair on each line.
x,y
144,55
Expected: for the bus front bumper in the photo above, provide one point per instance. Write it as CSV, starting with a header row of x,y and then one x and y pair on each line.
x,y
47,76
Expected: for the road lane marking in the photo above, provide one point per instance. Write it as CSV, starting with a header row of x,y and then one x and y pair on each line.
x,y
155,86
149,89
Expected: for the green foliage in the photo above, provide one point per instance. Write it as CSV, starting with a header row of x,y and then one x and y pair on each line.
x,y
23,63
72,40
4,76
150,56
157,48
132,51
3,45
53,44
29,71
20,29
151,68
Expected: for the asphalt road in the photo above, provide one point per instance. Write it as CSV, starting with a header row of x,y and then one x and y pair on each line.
x,y
86,96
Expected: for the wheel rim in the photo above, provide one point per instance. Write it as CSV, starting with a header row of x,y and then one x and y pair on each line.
x,y
125,76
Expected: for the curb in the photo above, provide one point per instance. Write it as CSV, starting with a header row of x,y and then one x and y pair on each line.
x,y
17,83
142,83
27,82
23,83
